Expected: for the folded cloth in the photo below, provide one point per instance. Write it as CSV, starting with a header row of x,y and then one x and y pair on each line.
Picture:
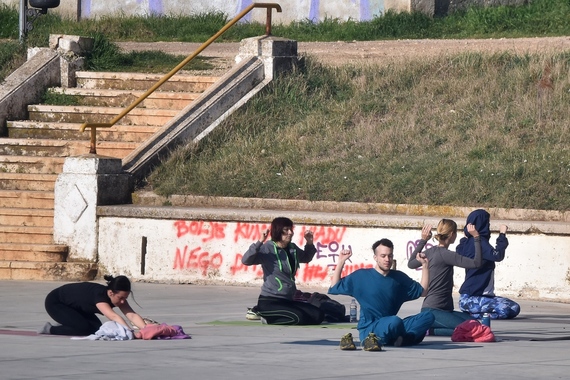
x,y
162,331
110,330
472,331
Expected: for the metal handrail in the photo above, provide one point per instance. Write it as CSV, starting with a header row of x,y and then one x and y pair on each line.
x,y
94,126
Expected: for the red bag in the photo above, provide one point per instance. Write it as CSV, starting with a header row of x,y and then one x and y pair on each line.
x,y
472,331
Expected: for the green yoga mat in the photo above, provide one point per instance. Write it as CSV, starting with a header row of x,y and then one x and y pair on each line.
x,y
258,323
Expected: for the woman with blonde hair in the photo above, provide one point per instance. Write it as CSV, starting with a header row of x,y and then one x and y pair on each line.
x,y
441,260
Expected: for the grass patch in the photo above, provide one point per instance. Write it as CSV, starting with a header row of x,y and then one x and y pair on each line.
x,y
12,56
106,56
538,18
470,129
59,99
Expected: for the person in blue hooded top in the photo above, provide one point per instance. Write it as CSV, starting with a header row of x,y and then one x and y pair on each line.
x,y
477,294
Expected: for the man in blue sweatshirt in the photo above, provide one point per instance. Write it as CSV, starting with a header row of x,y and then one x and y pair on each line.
x,y
477,294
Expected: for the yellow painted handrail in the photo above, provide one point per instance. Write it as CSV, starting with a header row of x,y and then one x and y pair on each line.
x,y
94,126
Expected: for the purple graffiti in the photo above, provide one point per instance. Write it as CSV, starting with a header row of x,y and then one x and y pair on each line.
x,y
85,8
241,6
155,7
314,11
365,10
411,246
333,247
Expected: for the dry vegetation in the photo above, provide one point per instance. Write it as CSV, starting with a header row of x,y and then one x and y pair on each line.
x,y
471,129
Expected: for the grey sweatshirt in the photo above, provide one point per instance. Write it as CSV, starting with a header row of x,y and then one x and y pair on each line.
x,y
278,273
440,263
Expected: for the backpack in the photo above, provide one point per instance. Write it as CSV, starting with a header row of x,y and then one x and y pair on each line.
x,y
334,310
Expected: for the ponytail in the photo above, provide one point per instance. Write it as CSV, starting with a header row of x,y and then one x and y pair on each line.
x,y
118,284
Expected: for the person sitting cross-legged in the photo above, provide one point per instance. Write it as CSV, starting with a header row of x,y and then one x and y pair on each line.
x,y
381,291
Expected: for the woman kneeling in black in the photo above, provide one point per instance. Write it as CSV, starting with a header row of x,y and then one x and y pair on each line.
x,y
75,306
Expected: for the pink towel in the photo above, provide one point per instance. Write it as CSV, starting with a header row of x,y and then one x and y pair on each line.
x,y
472,331
162,331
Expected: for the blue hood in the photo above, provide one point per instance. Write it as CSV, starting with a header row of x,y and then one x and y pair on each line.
x,y
480,218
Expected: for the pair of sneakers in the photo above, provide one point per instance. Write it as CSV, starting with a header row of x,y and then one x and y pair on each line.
x,y
370,343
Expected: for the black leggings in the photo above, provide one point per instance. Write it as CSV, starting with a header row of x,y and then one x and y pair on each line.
x,y
73,322
280,311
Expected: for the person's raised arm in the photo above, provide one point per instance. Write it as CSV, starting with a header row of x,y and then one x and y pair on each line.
x,y
342,257
424,282
413,263
501,244
478,260
250,257
310,249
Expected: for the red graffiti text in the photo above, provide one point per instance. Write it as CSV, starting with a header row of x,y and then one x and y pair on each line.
x,y
211,230
197,259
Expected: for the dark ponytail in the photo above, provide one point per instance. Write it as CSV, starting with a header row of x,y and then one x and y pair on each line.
x,y
118,284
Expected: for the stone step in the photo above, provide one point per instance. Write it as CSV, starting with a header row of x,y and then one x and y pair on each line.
x,y
142,81
33,252
62,148
24,234
70,131
27,181
26,199
82,114
26,217
47,271
124,98
31,164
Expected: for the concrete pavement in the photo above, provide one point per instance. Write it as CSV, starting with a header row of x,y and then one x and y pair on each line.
x,y
234,348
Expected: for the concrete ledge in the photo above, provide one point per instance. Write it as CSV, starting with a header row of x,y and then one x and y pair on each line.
x,y
519,220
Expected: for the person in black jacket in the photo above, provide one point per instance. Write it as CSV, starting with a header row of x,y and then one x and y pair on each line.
x,y
75,306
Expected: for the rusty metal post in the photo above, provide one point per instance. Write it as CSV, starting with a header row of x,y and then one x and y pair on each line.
x,y
268,22
93,142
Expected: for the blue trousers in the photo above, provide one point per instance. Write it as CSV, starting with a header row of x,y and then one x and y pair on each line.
x,y
412,329
446,321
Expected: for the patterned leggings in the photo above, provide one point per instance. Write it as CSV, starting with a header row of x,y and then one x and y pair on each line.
x,y
497,307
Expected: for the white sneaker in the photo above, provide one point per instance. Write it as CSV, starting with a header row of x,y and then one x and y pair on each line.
x,y
46,329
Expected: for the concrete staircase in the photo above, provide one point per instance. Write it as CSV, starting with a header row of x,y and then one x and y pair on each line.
x,y
33,154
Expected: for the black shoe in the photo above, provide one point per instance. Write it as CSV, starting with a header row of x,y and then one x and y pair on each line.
x,y
252,314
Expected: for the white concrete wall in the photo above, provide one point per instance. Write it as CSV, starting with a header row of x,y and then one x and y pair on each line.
x,y
536,265
316,10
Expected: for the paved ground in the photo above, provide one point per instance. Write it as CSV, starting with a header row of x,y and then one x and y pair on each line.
x,y
235,348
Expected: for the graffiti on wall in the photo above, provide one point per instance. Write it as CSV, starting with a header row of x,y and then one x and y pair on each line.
x,y
193,237
411,247
313,10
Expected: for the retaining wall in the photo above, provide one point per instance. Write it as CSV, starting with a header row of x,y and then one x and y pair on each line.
x,y
293,10
205,245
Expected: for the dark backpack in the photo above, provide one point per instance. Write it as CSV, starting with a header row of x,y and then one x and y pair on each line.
x,y
334,310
